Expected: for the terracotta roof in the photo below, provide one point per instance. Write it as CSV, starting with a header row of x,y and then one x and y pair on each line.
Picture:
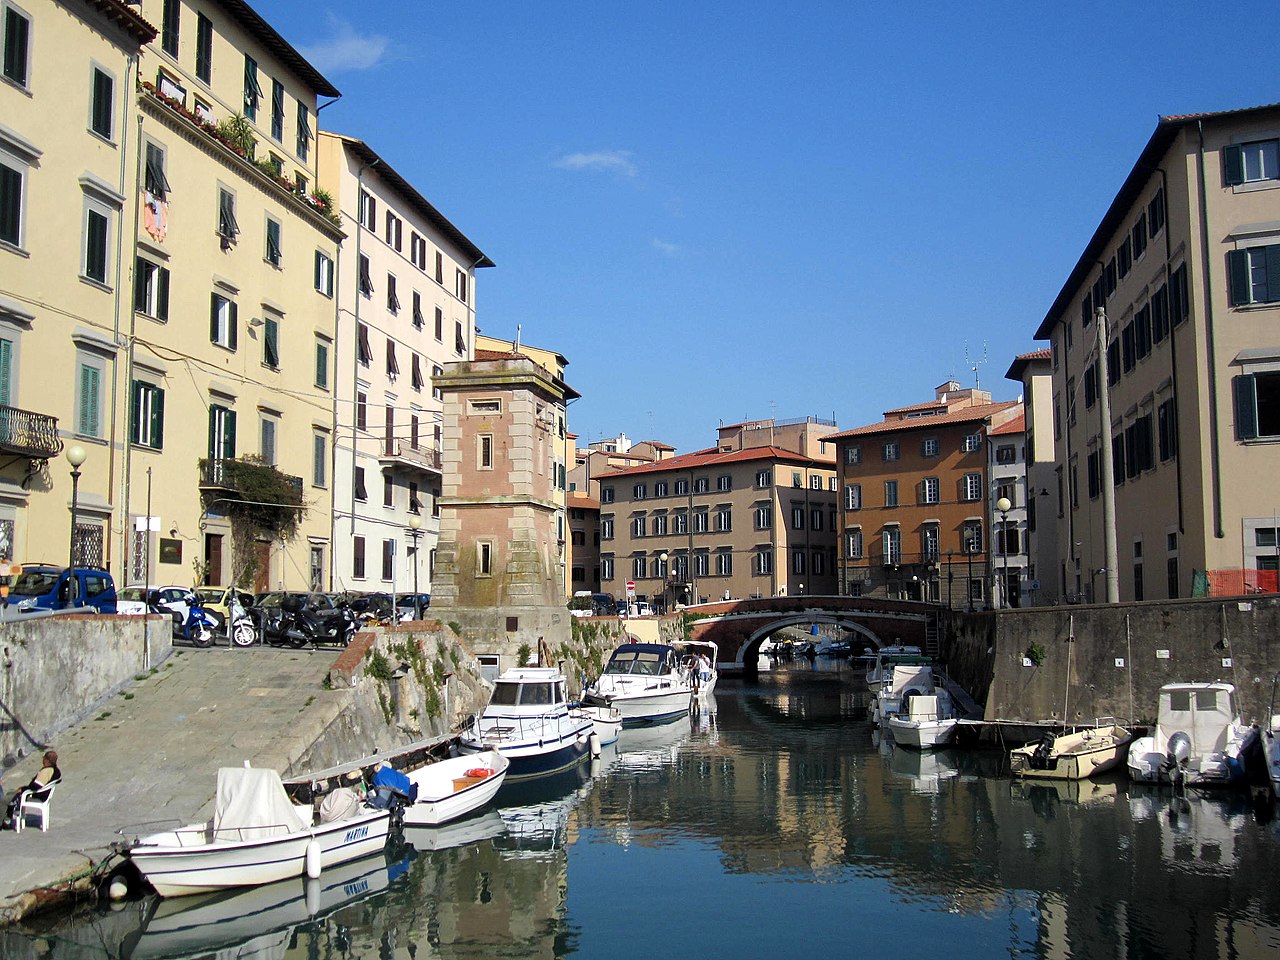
x,y
577,499
964,415
481,354
712,457
656,444
127,18
1135,184
939,404
1017,425
1024,360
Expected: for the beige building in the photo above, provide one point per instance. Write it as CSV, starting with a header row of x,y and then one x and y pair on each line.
x,y
1186,265
1040,477
406,289
740,519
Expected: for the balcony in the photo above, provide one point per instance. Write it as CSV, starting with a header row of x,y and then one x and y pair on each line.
x,y
397,453
249,480
27,434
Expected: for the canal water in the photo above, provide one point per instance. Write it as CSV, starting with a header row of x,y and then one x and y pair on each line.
x,y
775,825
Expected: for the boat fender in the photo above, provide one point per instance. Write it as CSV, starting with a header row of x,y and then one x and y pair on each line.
x,y
313,897
594,740
313,860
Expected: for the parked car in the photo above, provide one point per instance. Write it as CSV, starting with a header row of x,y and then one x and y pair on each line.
x,y
46,586
133,599
217,599
404,604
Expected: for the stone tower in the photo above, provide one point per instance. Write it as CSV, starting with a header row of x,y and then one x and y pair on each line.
x,y
498,562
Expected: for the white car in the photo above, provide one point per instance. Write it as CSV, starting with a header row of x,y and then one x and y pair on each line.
x,y
133,600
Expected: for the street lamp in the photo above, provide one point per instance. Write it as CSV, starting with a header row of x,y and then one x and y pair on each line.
x,y
415,531
1004,505
76,455
666,578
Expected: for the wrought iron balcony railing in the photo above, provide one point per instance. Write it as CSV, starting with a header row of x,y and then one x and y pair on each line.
x,y
29,434
399,453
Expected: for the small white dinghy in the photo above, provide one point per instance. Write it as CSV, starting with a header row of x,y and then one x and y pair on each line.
x,y
257,835
451,789
606,722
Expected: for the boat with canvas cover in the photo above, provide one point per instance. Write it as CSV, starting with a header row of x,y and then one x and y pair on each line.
x,y
646,682
902,682
528,721
256,836
1198,740
884,660
1072,756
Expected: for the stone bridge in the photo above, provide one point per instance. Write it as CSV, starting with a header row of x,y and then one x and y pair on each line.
x,y
738,627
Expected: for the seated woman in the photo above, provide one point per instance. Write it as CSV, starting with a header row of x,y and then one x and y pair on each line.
x,y
47,774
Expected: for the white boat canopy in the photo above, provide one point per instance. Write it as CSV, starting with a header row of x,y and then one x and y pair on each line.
x,y
251,804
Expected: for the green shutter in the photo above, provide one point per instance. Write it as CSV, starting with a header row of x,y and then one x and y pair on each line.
x,y
1232,164
1246,407
135,412
87,420
1273,273
157,418
10,205
162,293
213,432
233,323
140,285
6,366
229,435
1238,274
271,343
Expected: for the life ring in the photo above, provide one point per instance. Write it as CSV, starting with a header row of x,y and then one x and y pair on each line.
x,y
479,772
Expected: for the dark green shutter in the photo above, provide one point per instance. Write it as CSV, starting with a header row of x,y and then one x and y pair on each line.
x,y
6,365
213,433
1238,274
213,317
1246,407
1273,273
162,293
16,29
1233,164
10,204
95,252
157,418
135,412
229,435
103,94
233,323
140,285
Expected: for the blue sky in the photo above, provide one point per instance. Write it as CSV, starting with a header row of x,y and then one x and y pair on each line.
x,y
725,211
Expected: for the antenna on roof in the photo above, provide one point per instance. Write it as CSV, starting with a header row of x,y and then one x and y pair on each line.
x,y
974,364
517,350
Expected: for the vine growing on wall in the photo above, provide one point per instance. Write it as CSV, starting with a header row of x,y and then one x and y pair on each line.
x,y
260,502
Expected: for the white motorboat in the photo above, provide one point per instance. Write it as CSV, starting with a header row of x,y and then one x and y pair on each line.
x,y
646,682
1271,750
699,658
927,721
605,721
902,682
528,721
886,658
257,835
451,789
1072,756
1199,738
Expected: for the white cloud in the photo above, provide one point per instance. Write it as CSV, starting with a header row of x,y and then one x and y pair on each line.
x,y
666,247
606,161
345,49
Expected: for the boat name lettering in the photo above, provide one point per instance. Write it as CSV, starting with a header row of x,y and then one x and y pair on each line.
x,y
359,833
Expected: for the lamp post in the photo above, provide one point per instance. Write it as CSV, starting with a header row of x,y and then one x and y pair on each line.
x,y
76,455
1004,505
950,577
666,578
968,554
415,531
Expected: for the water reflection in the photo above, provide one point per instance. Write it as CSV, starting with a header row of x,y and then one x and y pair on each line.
x,y
772,825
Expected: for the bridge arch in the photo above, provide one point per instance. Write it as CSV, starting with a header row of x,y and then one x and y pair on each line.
x,y
750,649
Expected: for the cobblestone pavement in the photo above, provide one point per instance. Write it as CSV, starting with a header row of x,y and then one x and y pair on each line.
x,y
152,753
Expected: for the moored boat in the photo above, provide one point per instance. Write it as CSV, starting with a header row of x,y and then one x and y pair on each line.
x,y
886,658
646,682
902,682
1198,738
451,789
606,722
1072,756
528,721
927,721
699,658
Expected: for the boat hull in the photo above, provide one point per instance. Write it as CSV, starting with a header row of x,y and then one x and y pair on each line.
x,y
176,870
531,760
921,734
351,839
641,709
446,792
1073,756
606,722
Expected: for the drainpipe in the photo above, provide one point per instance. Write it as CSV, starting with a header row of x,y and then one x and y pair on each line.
x,y
333,447
127,472
1215,470
1107,469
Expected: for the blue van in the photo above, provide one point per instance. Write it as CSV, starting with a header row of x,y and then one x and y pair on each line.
x,y
43,586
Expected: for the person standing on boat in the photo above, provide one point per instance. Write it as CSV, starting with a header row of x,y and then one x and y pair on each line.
x,y
704,667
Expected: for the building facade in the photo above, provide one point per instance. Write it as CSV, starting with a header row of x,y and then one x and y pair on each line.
x,y
406,289
1011,573
1169,316
1044,498
914,497
730,521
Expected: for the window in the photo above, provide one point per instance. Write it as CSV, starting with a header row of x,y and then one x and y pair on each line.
x,y
606,568
1093,474
204,48
459,339
854,544
1179,304
324,274
1250,162
639,568
277,110
929,537
700,521
368,211
680,522
929,447
638,491
267,448
1257,403
764,478
891,493
484,443
724,519
12,178
1142,332
606,528
17,44
393,299
972,442
660,487
1155,213
763,561
1139,448
701,564
701,485
319,459
362,410
388,559
417,378
660,525
890,451
169,26
971,536
417,311
930,490
606,494
222,432
1254,275
151,289
815,481
146,415
1167,422
102,104
394,232
357,558
418,251
682,488
764,517
853,454
815,518
223,317
228,228
252,90
436,392
1160,314
797,517
95,264
439,324
460,285
797,480
724,483
891,545
638,526
273,242
271,342
724,564
1124,258
1138,236
304,132
972,486
1090,393
388,490
853,496
439,268
361,492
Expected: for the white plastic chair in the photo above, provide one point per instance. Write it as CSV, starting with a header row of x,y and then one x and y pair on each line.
x,y
34,802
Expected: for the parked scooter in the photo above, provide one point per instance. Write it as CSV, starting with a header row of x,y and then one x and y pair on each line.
x,y
241,628
298,624
196,627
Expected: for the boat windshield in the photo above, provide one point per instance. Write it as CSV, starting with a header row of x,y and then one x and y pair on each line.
x,y
509,694
643,662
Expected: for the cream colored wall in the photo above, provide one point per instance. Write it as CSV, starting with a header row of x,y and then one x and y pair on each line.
x,y
45,300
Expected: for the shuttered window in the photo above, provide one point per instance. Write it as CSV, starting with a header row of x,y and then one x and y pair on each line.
x,y
1254,275
146,415
102,111
204,48
88,410
271,342
6,371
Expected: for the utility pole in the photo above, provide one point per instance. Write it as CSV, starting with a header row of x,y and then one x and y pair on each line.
x,y
1108,463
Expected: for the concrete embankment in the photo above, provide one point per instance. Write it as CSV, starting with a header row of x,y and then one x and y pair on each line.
x,y
151,750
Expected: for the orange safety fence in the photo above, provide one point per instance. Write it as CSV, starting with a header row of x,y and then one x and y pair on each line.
x,y
1238,583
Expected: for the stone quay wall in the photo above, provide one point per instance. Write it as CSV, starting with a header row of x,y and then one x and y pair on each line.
x,y
1111,660
58,670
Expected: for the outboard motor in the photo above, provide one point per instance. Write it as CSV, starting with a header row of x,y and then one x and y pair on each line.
x,y
1175,759
1040,756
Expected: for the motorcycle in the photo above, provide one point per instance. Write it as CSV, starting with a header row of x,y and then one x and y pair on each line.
x,y
297,624
241,628
196,626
